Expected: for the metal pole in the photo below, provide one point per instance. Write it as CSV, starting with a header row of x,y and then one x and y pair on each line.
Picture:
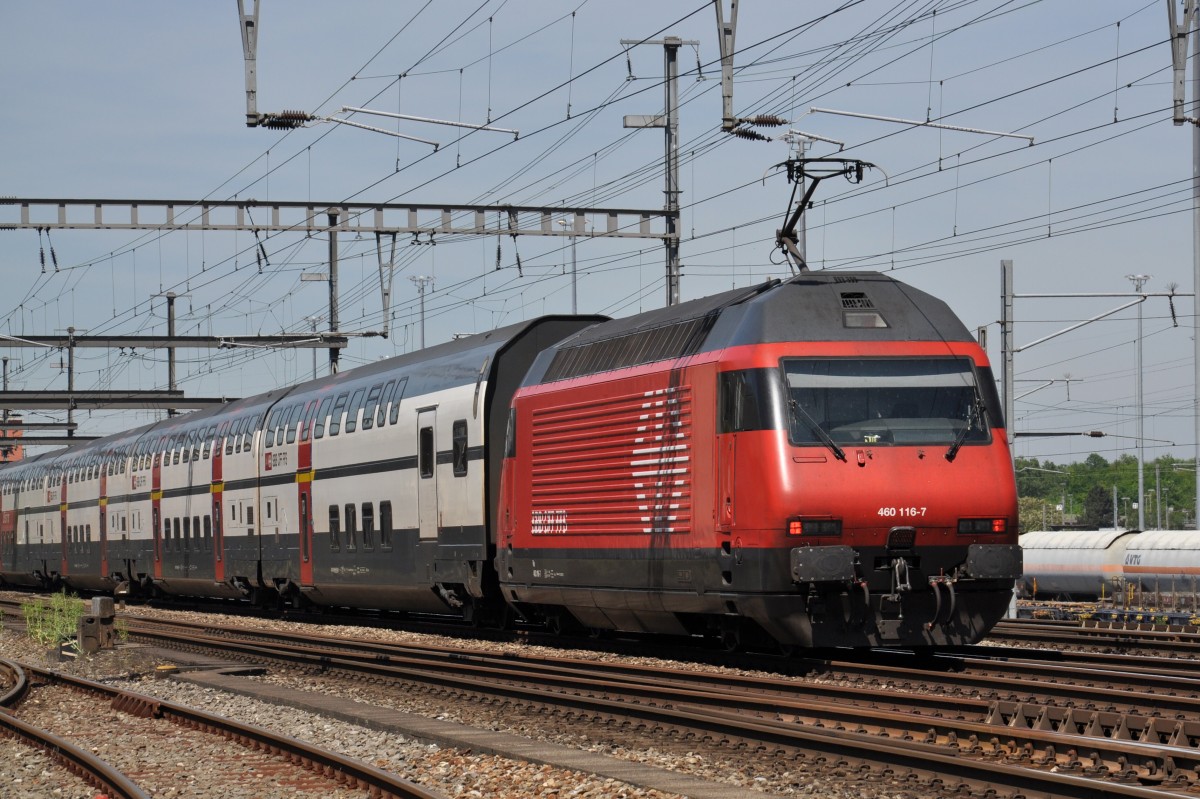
x,y
421,281
671,46
333,287
171,350
70,381
1006,337
802,232
314,352
1158,503
1138,282
1196,255
574,290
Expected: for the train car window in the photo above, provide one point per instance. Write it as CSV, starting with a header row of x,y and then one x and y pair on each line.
x,y
176,536
306,421
334,527
175,457
368,526
250,516
460,447
385,525
368,419
247,440
124,520
187,451
232,511
187,533
353,409
384,396
322,413
208,534
351,524
397,395
88,532
272,426
426,454
288,426
335,422
196,531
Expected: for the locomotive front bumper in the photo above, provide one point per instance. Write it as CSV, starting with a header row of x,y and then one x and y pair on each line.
x,y
839,563
832,564
995,561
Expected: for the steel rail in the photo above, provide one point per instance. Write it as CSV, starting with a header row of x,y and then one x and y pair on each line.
x,y
362,775
831,735
96,772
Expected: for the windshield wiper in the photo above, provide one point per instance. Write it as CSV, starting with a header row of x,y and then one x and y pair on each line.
x,y
819,431
980,411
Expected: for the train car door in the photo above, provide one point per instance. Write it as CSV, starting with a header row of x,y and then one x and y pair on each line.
x,y
304,477
62,525
218,492
427,494
726,452
103,522
156,512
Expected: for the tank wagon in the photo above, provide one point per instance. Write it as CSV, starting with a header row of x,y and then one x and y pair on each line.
x,y
819,461
1074,564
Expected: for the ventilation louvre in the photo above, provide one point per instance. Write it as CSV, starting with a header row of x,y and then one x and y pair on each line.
x,y
632,349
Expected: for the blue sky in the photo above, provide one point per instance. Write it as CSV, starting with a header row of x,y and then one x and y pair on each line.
x,y
146,100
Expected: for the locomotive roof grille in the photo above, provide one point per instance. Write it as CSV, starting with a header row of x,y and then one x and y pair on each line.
x,y
854,300
631,349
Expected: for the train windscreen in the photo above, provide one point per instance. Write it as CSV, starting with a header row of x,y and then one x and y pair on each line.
x,y
884,401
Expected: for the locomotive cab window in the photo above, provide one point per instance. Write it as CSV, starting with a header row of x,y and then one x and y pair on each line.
x,y
887,401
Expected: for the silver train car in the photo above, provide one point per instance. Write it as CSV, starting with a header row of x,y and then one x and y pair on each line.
x,y
1089,564
1073,564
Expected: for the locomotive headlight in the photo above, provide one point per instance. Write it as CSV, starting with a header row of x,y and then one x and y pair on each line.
x,y
812,527
982,526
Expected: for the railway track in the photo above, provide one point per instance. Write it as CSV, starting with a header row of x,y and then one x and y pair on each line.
x,y
1163,639
83,764
946,743
270,762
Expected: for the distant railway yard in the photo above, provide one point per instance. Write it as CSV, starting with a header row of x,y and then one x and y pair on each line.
x,y
372,707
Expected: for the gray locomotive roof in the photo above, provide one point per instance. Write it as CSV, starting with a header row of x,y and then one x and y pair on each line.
x,y
809,307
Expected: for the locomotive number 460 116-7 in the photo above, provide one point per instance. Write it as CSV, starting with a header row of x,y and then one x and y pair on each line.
x,y
909,513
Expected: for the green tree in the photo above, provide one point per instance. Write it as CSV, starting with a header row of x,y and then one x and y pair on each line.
x,y
1097,508
1034,513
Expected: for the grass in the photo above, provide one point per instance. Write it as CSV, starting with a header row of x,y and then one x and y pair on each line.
x,y
55,622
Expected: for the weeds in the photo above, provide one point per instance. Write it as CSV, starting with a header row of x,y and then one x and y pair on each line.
x,y
55,622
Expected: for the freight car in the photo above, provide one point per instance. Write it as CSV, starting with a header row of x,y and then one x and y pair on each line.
x,y
814,462
1091,564
1073,564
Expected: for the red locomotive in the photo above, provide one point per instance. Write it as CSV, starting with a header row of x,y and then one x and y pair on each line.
x,y
821,462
